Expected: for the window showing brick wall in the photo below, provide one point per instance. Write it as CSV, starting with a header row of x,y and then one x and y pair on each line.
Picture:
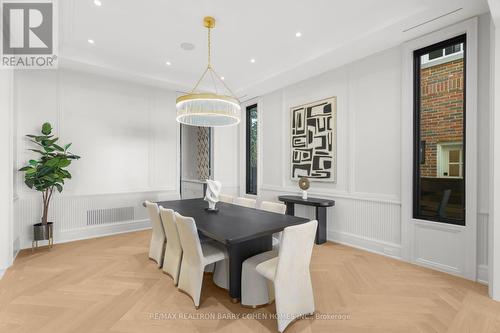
x,y
441,111
439,185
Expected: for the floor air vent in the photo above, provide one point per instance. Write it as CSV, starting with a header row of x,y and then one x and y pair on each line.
x,y
110,215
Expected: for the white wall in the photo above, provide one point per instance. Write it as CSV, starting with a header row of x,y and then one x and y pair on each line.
x,y
368,149
494,226
484,151
126,134
6,162
367,192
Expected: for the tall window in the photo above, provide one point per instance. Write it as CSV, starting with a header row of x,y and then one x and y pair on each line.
x,y
439,150
251,147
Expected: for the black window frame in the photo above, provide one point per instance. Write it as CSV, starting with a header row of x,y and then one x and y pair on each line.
x,y
416,128
251,182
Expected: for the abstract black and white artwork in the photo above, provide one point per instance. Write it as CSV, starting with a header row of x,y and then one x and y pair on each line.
x,y
313,140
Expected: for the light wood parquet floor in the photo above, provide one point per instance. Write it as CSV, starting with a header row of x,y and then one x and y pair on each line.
x,y
109,285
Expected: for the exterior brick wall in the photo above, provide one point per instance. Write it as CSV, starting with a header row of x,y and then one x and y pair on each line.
x,y
441,110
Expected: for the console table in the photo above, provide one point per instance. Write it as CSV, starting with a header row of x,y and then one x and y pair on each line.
x,y
321,206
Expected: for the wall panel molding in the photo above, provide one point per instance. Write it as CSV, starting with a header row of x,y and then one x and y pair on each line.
x,y
482,247
128,144
374,225
366,223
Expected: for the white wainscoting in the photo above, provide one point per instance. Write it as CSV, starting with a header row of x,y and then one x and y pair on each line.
x,y
482,248
128,143
16,237
439,246
373,224
69,213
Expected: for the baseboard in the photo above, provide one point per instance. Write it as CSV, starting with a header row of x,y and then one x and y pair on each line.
x,y
2,272
364,243
482,274
438,267
96,232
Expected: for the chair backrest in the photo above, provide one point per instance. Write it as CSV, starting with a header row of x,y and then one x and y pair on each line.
x,y
295,251
190,241
168,221
245,202
154,216
226,198
275,207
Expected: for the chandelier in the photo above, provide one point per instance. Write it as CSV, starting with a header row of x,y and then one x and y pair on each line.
x,y
208,109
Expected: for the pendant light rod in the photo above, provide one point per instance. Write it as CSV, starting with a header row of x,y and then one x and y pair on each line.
x,y
209,109
209,23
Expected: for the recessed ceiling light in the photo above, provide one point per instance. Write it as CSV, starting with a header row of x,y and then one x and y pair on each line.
x,y
98,3
298,34
91,41
187,46
222,78
168,63
252,61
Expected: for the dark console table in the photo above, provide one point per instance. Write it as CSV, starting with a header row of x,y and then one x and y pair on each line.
x,y
321,206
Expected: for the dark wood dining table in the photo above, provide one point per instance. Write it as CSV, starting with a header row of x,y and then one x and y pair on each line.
x,y
244,231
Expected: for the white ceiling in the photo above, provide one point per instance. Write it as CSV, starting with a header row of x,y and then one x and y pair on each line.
x,y
134,39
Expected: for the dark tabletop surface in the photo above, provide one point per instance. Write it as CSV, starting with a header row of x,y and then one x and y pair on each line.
x,y
232,223
309,201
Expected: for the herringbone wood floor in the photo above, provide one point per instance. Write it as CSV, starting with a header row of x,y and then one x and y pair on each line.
x,y
109,285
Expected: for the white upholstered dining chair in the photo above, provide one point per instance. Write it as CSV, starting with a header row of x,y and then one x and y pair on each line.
x,y
245,202
255,289
195,256
173,251
275,207
158,239
289,273
226,198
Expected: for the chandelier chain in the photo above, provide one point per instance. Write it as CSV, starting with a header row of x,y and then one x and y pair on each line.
x,y
213,81
209,48
211,70
199,81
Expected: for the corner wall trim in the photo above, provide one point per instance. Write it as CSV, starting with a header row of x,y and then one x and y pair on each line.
x,y
482,274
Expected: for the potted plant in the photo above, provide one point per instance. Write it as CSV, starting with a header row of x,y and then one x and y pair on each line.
x,y
47,173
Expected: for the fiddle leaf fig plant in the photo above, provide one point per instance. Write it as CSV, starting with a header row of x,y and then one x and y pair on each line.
x,y
48,172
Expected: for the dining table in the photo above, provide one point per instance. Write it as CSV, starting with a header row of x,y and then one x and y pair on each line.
x,y
244,231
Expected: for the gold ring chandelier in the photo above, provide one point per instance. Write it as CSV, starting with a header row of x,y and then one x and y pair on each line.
x,y
208,109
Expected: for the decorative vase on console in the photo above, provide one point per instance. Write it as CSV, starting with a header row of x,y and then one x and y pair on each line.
x,y
304,185
212,194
